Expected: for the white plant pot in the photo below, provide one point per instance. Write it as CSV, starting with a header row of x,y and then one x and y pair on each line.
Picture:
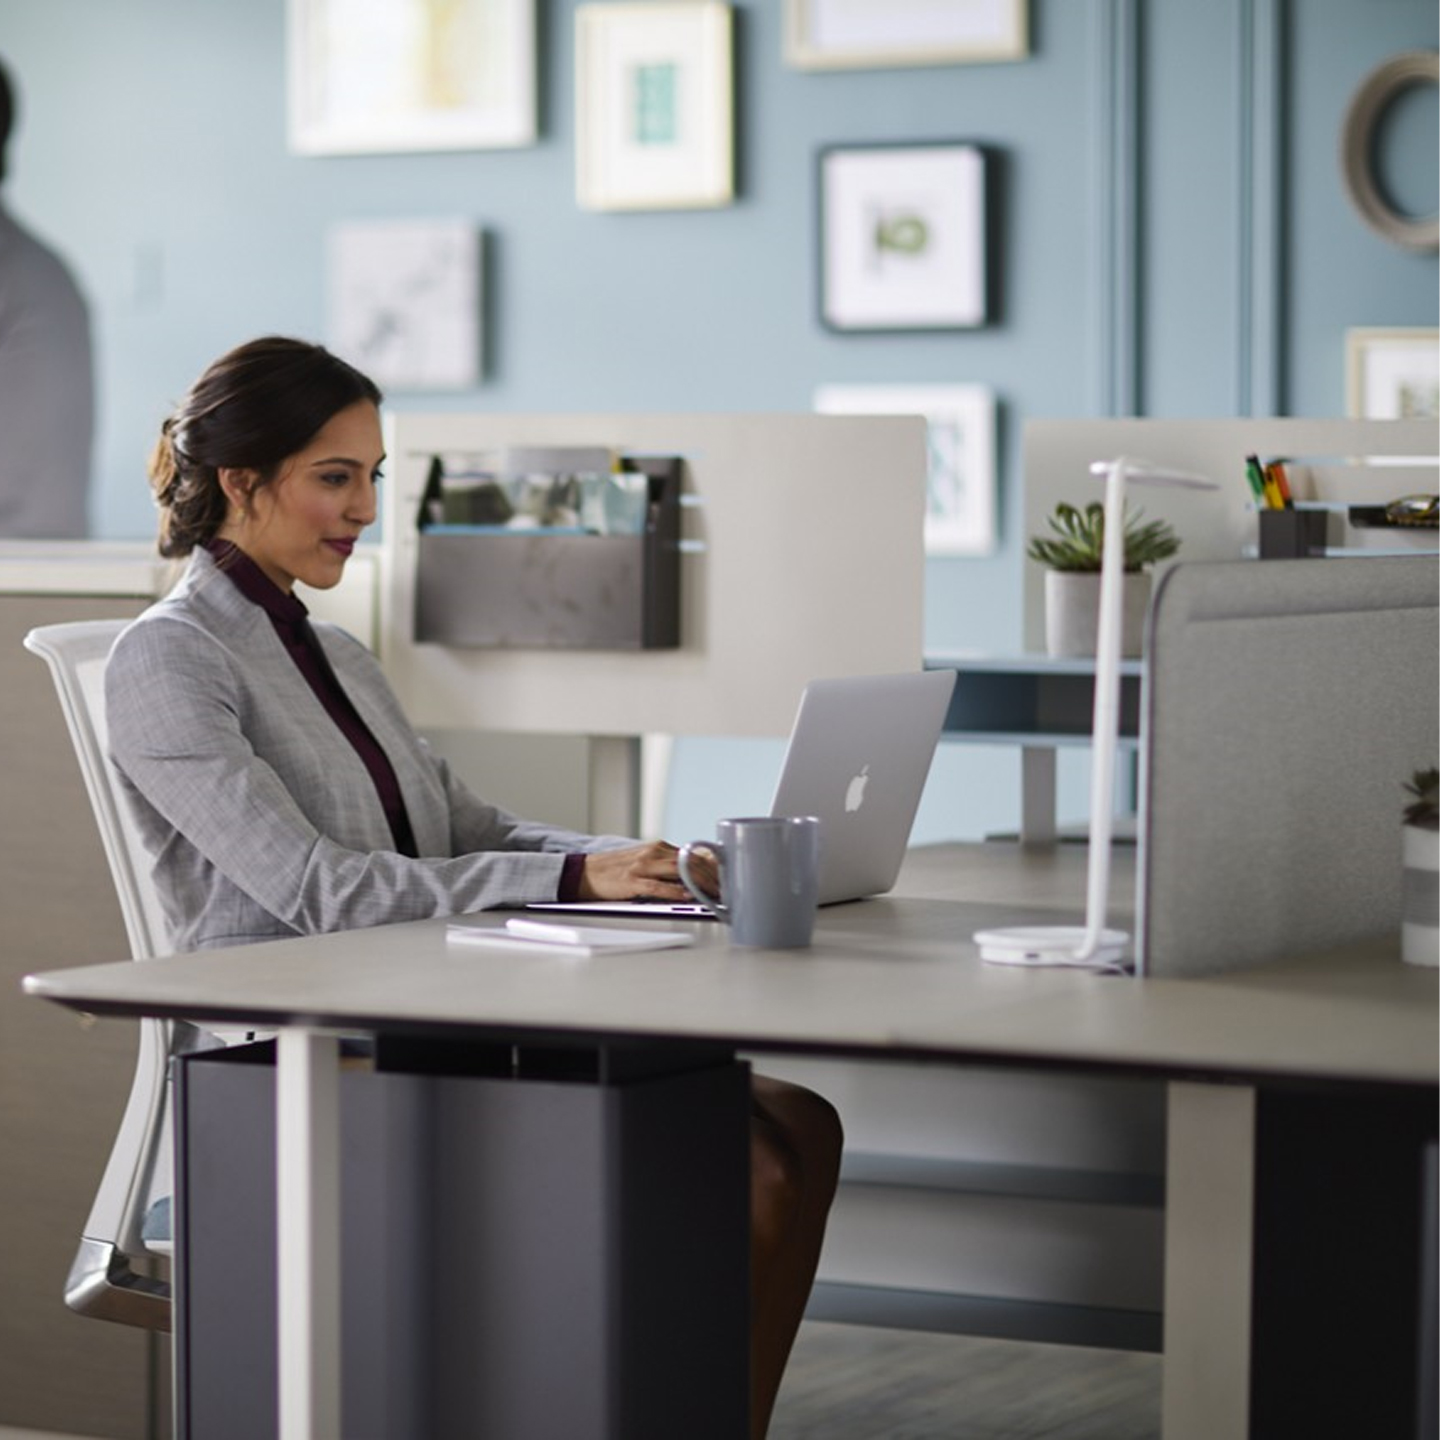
x,y
1420,897
1072,612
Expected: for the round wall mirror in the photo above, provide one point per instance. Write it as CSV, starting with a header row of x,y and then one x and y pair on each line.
x,y
1376,93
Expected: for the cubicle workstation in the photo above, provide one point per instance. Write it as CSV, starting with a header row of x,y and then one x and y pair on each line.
x,y
779,518
1337,469
782,517
730,467
1342,474
1087,1157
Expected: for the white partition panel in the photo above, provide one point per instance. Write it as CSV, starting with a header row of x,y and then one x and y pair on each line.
x,y
802,556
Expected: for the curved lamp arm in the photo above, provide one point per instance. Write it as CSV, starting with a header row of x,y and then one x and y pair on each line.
x,y
1095,945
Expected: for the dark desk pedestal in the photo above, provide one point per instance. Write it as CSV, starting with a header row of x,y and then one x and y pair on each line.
x,y
561,1255
1344,1291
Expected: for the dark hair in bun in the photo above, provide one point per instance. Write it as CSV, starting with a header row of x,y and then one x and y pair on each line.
x,y
251,410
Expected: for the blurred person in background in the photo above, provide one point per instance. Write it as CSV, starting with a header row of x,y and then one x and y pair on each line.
x,y
47,388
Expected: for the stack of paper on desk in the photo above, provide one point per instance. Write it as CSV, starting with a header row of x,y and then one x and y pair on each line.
x,y
539,937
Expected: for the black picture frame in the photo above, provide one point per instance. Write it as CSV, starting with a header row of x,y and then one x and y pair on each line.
x,y
903,237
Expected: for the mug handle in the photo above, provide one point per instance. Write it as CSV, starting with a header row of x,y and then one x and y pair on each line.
x,y
682,863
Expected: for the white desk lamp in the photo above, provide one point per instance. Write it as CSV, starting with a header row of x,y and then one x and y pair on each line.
x,y
1093,944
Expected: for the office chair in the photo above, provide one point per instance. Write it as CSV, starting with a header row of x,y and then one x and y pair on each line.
x,y
102,1282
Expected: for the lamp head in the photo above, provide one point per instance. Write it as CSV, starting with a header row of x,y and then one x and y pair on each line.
x,y
1147,472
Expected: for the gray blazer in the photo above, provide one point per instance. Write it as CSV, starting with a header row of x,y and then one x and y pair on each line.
x,y
260,817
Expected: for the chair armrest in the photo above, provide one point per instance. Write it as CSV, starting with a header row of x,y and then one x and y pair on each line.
x,y
102,1285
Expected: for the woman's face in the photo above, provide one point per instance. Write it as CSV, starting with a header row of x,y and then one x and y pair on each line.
x,y
304,524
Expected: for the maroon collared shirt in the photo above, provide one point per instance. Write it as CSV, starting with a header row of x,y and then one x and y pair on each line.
x,y
292,624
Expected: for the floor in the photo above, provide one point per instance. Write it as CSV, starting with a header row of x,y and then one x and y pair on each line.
x,y
6,1433
846,1382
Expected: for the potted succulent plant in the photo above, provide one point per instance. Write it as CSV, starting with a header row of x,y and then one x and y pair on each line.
x,y
1419,921
1071,555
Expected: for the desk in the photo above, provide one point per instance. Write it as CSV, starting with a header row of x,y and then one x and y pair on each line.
x,y
892,978
1038,703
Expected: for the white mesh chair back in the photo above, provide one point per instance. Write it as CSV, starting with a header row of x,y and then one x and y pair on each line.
x,y
101,1281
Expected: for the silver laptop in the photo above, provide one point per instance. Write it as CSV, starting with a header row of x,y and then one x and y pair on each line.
x,y
859,754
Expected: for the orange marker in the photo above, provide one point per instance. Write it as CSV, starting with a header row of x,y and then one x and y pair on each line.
x,y
1275,473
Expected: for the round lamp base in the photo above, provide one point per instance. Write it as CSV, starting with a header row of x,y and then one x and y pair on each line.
x,y
1049,945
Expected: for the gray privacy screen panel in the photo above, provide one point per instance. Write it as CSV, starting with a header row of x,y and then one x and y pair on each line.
x,y
1285,704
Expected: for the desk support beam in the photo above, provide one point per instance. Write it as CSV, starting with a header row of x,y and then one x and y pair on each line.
x,y
615,773
307,1117
1209,1242
1037,795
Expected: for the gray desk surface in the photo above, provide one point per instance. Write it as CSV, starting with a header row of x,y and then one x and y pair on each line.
x,y
896,977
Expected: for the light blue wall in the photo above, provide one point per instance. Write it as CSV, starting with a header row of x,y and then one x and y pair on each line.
x,y
152,151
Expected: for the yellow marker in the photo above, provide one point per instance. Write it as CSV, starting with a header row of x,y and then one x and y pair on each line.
x,y
1273,498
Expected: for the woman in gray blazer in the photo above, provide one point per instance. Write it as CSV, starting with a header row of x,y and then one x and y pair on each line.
x,y
281,790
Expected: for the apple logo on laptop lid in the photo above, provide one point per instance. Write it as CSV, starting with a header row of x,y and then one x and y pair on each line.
x,y
855,790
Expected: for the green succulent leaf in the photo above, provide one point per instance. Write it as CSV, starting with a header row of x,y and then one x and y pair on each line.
x,y
1424,809
1077,541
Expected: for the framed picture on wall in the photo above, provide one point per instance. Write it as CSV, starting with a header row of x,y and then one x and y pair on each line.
x,y
374,76
859,34
403,301
654,106
1392,374
960,497
902,237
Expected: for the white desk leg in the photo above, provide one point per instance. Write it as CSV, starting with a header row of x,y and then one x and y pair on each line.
x,y
1209,1242
1037,795
307,1101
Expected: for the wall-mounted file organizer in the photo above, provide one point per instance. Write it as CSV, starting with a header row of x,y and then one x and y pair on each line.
x,y
561,549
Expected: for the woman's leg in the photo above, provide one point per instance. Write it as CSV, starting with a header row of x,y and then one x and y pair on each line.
x,y
795,1142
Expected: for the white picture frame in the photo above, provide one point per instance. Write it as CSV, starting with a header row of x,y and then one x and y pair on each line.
x,y
368,77
404,302
960,504
902,237
654,106
864,34
1392,373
